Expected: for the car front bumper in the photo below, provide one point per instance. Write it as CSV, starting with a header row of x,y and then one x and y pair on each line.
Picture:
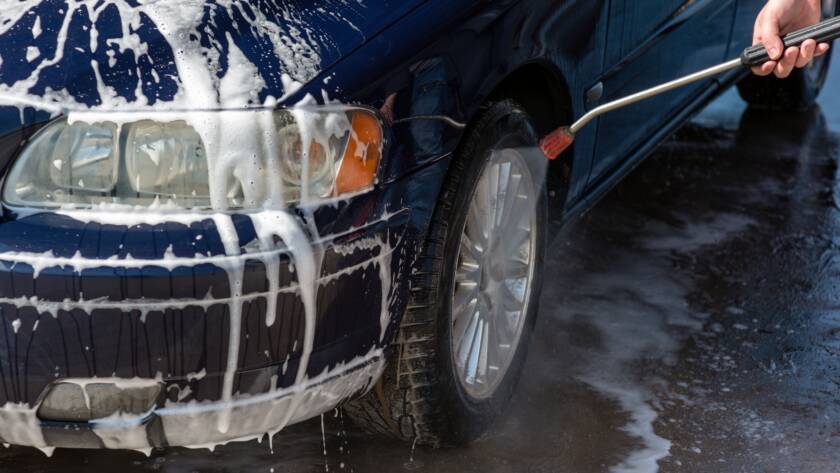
x,y
93,302
197,424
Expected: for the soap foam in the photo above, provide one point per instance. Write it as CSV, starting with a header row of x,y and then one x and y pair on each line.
x,y
218,90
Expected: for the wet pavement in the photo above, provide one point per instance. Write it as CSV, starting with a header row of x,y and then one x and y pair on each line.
x,y
692,323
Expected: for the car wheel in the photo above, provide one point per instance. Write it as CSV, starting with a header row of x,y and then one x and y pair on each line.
x,y
800,90
474,298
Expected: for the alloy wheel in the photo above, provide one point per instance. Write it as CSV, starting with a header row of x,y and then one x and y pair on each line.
x,y
493,273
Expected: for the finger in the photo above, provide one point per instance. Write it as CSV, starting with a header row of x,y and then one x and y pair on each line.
x,y
822,48
787,62
806,53
767,33
765,69
757,27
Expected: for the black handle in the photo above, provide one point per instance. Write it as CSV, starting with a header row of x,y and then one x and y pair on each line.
x,y
822,32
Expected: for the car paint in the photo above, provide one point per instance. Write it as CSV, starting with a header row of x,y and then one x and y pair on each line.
x,y
427,67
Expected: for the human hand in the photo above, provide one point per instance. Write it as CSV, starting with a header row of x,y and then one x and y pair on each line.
x,y
780,17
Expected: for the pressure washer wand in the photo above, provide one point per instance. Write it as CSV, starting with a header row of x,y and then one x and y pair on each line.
x,y
553,144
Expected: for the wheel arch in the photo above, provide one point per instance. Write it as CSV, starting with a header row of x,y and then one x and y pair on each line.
x,y
529,85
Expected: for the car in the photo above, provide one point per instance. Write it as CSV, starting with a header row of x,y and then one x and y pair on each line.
x,y
222,218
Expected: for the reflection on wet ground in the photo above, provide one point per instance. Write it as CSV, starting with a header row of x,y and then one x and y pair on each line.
x,y
691,323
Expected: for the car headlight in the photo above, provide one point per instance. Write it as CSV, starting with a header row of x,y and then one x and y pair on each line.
x,y
313,156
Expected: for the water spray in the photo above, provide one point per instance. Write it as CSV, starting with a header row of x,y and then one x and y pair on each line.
x,y
553,144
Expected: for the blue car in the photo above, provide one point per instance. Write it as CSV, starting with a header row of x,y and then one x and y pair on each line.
x,y
222,217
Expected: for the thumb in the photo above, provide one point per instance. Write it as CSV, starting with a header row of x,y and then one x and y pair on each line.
x,y
767,33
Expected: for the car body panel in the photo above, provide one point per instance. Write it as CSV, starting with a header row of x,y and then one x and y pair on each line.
x,y
427,68
113,48
475,50
648,58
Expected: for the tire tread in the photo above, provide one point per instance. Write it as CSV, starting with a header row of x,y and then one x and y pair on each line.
x,y
405,402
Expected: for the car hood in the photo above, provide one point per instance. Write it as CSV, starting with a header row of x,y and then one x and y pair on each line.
x,y
177,54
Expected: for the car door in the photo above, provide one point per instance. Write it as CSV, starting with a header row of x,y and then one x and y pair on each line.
x,y
652,41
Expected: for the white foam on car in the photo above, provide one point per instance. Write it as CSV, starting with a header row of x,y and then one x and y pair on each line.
x,y
176,21
147,305
250,416
19,425
233,139
119,383
105,213
123,438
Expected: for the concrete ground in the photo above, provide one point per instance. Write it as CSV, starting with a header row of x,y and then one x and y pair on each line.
x,y
692,323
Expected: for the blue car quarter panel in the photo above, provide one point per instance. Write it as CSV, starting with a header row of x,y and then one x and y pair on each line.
x,y
447,58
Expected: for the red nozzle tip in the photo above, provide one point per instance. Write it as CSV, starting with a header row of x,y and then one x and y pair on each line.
x,y
556,142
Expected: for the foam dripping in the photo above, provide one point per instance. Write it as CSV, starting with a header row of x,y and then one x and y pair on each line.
x,y
240,139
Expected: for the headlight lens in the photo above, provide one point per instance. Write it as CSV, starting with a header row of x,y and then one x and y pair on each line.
x,y
165,160
74,159
312,156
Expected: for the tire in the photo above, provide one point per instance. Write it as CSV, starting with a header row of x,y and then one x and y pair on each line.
x,y
797,92
423,396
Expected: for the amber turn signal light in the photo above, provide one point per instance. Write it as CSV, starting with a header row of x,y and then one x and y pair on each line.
x,y
361,158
